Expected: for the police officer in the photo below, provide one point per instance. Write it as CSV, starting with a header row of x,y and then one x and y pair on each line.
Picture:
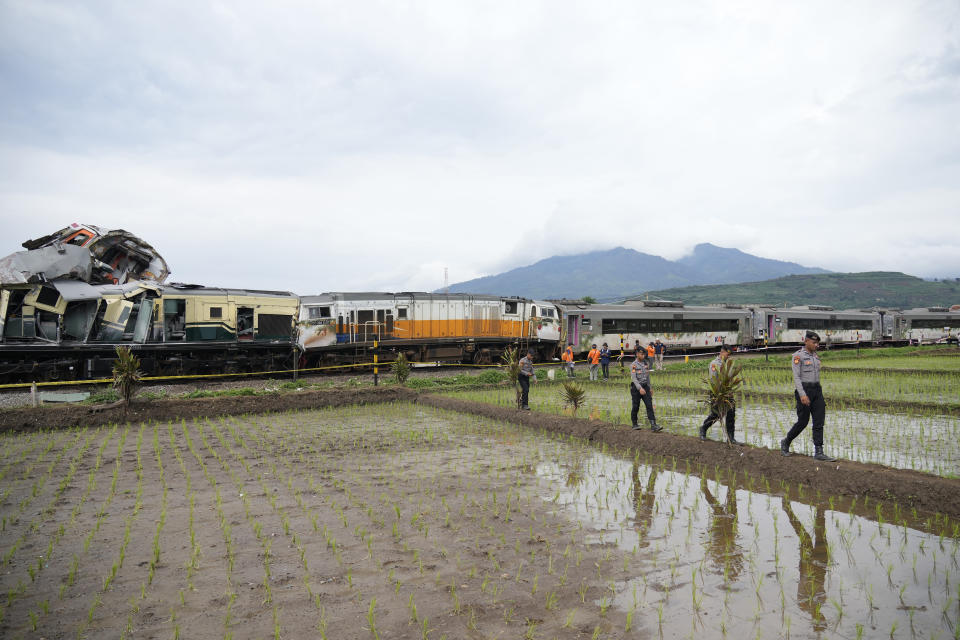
x,y
809,396
715,365
640,390
526,375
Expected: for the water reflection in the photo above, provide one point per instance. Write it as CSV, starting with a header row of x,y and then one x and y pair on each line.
x,y
644,501
811,594
725,553
755,564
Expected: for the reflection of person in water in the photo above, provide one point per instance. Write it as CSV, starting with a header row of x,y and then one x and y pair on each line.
x,y
723,548
811,592
644,500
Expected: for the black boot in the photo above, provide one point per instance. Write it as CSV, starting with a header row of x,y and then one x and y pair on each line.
x,y
703,432
655,427
635,426
821,456
785,447
730,437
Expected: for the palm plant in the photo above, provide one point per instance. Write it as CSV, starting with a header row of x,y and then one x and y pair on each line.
x,y
512,364
722,388
573,395
126,374
401,368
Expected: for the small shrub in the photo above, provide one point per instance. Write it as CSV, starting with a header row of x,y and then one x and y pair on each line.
x,y
573,395
126,374
401,368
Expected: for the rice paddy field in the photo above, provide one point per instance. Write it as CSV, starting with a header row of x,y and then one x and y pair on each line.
x,y
401,520
907,419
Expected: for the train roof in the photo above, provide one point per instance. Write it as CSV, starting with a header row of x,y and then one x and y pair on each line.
x,y
179,288
333,296
632,311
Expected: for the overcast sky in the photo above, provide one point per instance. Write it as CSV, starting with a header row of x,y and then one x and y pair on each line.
x,y
316,146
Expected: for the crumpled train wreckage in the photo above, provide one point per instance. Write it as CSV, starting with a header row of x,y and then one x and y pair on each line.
x,y
53,290
86,253
73,295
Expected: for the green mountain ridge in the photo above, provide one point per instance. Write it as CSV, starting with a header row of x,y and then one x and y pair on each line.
x,y
890,289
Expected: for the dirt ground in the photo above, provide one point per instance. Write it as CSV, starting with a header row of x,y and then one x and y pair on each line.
x,y
248,527
908,488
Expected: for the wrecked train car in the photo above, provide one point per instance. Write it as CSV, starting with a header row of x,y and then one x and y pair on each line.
x,y
87,253
67,329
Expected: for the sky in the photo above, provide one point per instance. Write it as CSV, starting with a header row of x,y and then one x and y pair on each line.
x,y
356,146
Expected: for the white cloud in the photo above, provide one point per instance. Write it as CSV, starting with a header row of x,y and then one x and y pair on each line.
x,y
322,146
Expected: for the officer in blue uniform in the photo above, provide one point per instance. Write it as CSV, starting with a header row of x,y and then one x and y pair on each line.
x,y
640,390
809,397
731,419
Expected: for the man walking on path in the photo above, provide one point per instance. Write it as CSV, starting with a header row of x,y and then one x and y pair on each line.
x,y
715,366
593,357
640,390
809,397
526,375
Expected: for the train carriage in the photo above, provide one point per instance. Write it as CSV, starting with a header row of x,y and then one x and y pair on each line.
x,y
788,326
679,327
342,327
929,325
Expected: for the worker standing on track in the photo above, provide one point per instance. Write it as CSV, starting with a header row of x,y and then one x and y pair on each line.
x,y
731,420
526,375
809,397
640,390
659,349
593,357
567,358
651,353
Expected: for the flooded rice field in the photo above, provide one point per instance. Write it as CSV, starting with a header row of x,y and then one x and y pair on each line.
x,y
904,439
404,521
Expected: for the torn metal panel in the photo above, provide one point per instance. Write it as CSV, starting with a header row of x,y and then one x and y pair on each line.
x,y
76,291
46,298
115,320
47,263
78,319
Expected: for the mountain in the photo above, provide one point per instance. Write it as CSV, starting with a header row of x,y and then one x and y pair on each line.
x,y
838,290
617,273
721,265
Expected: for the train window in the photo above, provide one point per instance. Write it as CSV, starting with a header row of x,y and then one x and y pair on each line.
x,y
216,312
935,323
401,313
318,312
533,311
510,307
584,321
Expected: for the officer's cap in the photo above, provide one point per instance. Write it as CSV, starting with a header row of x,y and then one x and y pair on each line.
x,y
812,335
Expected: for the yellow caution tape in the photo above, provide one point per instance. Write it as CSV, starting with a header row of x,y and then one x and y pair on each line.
x,y
27,385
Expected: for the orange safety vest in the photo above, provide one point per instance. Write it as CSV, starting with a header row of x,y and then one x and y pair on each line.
x,y
650,350
567,355
594,356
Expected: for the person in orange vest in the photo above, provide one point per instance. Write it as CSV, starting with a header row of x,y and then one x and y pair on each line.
x,y
651,352
593,357
567,358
